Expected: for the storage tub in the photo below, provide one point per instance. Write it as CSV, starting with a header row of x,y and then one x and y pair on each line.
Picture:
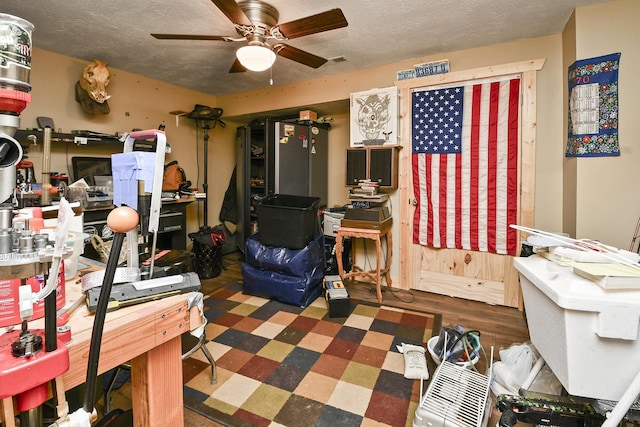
x,y
287,221
587,335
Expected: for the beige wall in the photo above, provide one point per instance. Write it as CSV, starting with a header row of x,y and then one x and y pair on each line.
x,y
570,163
608,195
136,102
549,157
604,186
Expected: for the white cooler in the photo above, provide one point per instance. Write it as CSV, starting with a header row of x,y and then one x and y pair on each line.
x,y
587,335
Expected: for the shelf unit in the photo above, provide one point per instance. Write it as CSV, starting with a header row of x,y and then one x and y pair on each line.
x,y
89,138
278,157
252,181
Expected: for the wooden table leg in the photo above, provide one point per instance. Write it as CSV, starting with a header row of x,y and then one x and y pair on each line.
x,y
387,262
7,412
156,386
378,259
339,255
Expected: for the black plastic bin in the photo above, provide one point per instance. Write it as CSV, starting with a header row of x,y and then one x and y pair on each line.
x,y
288,221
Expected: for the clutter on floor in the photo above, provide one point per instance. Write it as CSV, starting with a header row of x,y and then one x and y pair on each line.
x,y
285,260
337,297
292,276
456,396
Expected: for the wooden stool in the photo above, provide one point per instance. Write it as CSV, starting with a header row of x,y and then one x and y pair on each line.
x,y
374,276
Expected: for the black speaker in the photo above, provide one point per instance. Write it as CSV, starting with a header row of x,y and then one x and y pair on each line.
x,y
381,166
356,166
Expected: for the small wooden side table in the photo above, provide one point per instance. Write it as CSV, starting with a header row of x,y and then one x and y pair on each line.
x,y
375,234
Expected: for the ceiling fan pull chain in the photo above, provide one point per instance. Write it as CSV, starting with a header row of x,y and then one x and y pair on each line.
x,y
271,76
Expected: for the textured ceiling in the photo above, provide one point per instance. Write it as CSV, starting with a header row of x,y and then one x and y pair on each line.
x,y
379,32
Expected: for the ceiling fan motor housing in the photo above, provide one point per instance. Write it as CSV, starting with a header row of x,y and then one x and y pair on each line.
x,y
263,16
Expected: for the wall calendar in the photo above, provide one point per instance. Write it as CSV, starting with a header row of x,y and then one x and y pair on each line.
x,y
593,107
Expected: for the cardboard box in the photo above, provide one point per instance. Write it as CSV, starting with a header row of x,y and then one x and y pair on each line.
x,y
308,115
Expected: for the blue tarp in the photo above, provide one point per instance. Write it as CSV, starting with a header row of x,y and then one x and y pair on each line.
x,y
300,291
291,276
293,262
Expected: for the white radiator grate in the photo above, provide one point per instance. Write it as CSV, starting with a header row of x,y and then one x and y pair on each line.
x,y
456,397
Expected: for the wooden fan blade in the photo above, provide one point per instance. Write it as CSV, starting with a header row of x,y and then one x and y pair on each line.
x,y
298,55
188,37
237,67
325,21
232,11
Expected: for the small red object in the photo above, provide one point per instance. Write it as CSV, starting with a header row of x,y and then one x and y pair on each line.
x,y
64,334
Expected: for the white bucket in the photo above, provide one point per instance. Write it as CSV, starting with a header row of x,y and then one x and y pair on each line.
x,y
431,345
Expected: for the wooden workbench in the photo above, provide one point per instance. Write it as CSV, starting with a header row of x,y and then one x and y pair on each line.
x,y
148,335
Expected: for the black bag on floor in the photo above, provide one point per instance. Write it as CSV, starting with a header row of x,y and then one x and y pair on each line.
x,y
207,250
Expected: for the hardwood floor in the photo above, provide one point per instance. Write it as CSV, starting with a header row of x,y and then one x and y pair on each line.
x,y
499,326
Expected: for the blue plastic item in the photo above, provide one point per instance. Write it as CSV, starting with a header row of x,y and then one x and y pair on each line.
x,y
292,262
300,291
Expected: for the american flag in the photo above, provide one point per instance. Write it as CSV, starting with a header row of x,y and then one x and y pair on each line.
x,y
465,166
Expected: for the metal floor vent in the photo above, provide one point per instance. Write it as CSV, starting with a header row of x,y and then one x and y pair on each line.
x,y
456,397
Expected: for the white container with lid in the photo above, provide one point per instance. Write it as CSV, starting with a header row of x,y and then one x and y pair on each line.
x,y
588,335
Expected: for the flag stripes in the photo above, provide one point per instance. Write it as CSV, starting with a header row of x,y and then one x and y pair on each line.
x,y
465,166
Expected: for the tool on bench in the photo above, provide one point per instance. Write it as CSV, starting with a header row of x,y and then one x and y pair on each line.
x,y
64,314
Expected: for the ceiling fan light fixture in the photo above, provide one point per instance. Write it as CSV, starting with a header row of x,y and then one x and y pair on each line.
x,y
256,58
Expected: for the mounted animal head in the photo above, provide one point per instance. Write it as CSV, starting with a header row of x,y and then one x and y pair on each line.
x,y
95,79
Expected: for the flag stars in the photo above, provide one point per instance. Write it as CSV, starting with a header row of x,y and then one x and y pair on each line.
x,y
437,120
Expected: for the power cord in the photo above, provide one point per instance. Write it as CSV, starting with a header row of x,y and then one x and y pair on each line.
x,y
393,292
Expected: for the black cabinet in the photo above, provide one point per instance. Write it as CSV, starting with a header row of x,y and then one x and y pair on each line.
x,y
172,225
376,163
252,181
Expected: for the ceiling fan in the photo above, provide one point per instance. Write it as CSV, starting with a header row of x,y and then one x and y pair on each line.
x,y
256,22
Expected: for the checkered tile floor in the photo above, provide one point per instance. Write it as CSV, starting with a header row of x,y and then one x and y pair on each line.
x,y
279,364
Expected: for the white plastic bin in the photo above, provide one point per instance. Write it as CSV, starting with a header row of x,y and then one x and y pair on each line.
x,y
589,336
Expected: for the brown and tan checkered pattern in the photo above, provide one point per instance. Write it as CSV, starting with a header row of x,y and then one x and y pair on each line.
x,y
279,364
